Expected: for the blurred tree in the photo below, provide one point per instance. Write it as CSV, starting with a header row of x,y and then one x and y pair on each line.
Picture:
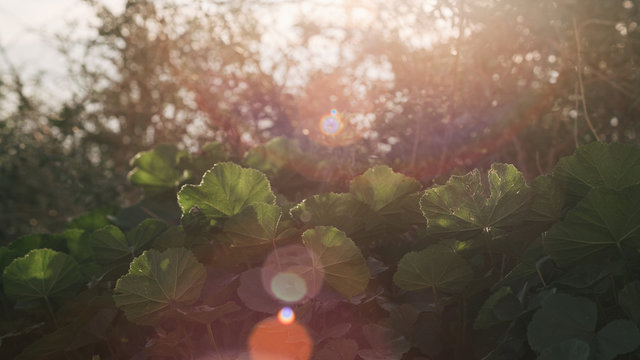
x,y
432,88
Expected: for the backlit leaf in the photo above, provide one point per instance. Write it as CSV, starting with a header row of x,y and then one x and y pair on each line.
x,y
110,245
254,225
225,190
434,266
158,282
338,259
342,211
467,204
42,273
380,187
157,168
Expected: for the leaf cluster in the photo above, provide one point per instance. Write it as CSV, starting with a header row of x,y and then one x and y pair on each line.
x,y
484,266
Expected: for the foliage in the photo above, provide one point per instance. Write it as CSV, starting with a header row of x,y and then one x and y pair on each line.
x,y
431,90
496,269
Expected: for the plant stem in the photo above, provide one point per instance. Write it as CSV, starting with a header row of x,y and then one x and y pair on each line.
x,y
487,238
275,252
436,301
50,310
580,83
213,341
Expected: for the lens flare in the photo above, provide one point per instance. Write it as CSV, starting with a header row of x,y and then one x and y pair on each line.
x,y
271,340
331,124
288,286
286,316
288,276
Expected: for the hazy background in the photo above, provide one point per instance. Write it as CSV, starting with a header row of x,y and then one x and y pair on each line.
x,y
432,88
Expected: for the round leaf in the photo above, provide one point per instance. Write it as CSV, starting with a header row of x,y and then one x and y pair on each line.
x,y
110,245
433,266
381,188
561,317
602,223
338,259
342,211
572,349
612,166
254,225
464,206
156,168
158,282
225,190
617,337
42,273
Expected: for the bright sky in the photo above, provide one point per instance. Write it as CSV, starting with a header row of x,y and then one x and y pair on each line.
x,y
27,33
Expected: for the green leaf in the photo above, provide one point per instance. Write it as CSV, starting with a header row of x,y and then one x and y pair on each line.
x,y
629,300
548,200
587,275
42,273
465,205
273,157
158,282
572,349
225,190
110,245
337,349
157,168
78,244
436,267
380,188
613,166
147,231
30,242
617,337
342,211
282,160
562,317
338,259
392,195
254,225
602,224
500,302
92,220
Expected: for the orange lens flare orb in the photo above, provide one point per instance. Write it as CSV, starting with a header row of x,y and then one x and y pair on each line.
x,y
331,124
286,316
271,340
